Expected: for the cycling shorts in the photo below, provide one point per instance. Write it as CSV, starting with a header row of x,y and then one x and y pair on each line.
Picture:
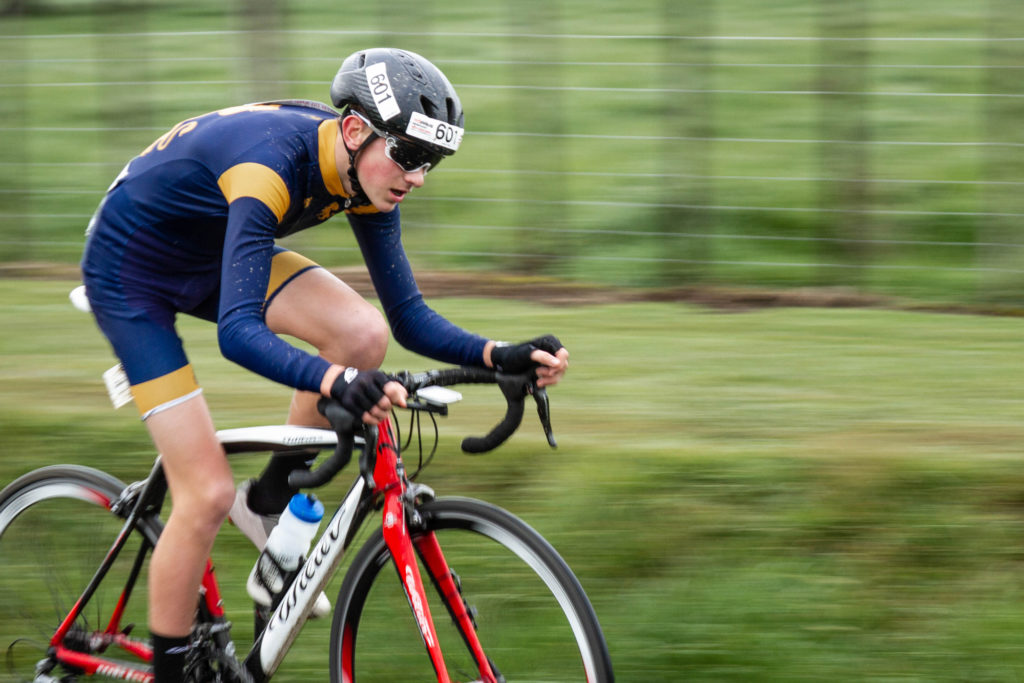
x,y
136,309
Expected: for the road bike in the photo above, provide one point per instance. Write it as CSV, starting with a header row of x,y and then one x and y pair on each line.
x,y
515,610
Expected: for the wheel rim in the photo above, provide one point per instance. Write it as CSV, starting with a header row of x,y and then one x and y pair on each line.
x,y
522,612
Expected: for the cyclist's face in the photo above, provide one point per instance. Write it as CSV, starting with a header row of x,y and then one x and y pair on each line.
x,y
386,184
384,181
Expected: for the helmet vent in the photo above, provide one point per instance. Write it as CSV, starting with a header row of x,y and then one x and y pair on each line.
x,y
409,62
428,106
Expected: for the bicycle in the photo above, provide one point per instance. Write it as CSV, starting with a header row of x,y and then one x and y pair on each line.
x,y
516,610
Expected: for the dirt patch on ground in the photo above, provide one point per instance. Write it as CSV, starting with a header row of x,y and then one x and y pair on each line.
x,y
556,292
727,299
551,291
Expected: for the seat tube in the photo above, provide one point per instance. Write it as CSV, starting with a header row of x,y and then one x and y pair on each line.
x,y
211,592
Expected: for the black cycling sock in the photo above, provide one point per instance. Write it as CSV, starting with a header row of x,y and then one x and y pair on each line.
x,y
169,658
270,493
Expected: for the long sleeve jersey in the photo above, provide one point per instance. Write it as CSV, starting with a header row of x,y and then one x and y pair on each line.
x,y
217,190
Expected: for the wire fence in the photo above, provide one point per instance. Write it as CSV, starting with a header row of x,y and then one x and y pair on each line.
x,y
836,144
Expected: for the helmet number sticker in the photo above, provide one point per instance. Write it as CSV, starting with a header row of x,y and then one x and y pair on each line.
x,y
380,90
433,131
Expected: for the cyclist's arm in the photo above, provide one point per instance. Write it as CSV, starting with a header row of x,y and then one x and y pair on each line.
x,y
241,329
414,324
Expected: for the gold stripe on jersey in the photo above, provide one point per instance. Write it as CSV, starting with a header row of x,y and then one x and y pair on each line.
x,y
164,389
285,266
328,137
260,182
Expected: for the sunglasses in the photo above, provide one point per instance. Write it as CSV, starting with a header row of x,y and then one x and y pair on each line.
x,y
408,155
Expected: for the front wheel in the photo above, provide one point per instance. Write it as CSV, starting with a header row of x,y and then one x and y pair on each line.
x,y
532,617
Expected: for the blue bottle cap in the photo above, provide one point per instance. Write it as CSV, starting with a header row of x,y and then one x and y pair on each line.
x,y
306,507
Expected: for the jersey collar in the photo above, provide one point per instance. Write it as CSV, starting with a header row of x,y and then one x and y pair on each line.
x,y
328,136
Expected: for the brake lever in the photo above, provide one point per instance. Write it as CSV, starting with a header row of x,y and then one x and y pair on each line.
x,y
540,395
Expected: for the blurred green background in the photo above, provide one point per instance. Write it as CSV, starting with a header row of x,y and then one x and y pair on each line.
x,y
779,494
861,144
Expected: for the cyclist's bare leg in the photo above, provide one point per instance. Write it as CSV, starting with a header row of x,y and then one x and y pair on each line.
x,y
320,309
202,490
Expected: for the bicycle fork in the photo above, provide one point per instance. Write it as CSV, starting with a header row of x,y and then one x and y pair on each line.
x,y
389,478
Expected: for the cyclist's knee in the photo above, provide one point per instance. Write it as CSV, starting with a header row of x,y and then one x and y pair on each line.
x,y
361,345
207,506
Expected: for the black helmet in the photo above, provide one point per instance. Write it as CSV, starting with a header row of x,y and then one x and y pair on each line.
x,y
402,94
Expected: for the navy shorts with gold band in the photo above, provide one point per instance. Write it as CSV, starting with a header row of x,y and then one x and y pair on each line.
x,y
138,319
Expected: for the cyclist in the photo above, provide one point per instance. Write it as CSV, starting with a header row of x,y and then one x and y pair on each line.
x,y
189,226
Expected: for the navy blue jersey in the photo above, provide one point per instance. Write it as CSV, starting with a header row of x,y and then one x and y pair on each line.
x,y
190,226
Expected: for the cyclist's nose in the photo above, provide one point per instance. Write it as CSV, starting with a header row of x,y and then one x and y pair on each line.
x,y
416,178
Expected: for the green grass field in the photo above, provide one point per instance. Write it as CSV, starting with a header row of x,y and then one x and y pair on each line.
x,y
780,495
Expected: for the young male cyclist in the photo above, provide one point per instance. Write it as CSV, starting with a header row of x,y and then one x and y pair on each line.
x,y
189,226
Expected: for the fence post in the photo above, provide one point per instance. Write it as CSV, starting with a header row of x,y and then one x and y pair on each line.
x,y
542,116
264,66
1002,163
688,124
14,148
845,166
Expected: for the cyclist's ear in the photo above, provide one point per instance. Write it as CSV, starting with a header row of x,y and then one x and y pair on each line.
x,y
354,131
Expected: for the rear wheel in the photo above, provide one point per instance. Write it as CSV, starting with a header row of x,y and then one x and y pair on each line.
x,y
55,529
532,617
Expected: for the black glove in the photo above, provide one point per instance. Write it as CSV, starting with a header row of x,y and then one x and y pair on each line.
x,y
359,390
515,358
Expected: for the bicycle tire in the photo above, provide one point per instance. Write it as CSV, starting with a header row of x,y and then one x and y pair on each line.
x,y
533,618
56,527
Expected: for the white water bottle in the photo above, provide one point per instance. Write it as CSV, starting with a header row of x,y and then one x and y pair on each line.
x,y
286,547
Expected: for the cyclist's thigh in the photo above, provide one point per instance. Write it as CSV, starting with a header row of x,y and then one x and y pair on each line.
x,y
313,305
137,315
138,320
197,469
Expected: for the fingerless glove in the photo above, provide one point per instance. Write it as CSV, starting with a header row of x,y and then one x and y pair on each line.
x,y
515,358
359,390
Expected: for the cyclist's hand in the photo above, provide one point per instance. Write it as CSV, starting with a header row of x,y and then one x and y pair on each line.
x,y
546,354
368,394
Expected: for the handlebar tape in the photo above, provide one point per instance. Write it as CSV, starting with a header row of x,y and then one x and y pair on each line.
x,y
514,390
343,423
501,432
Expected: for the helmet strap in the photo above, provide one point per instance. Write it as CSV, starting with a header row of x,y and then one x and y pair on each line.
x,y
358,197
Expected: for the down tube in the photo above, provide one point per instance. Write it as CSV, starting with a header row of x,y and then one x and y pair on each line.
x,y
286,622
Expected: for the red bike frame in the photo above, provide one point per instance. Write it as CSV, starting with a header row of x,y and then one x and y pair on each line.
x,y
391,485
113,635
389,481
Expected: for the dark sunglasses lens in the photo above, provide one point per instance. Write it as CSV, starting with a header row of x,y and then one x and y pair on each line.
x,y
411,157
